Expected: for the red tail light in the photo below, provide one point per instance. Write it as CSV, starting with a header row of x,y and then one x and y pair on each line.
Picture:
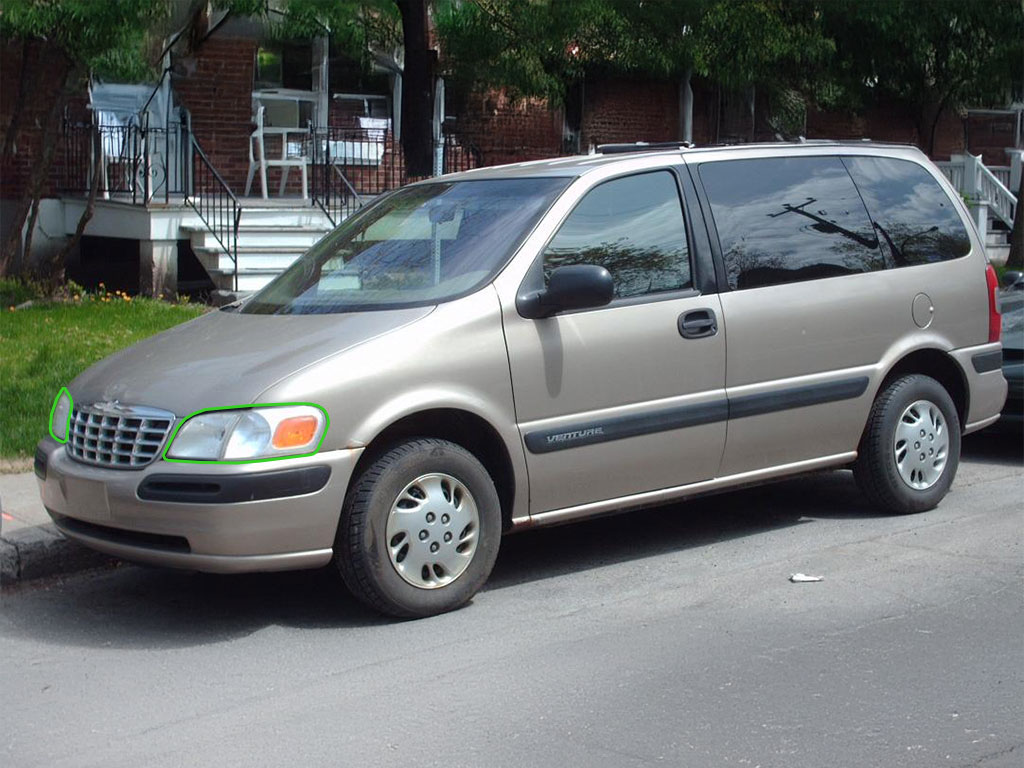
x,y
995,325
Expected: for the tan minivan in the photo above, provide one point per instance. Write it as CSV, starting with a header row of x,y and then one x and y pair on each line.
x,y
538,343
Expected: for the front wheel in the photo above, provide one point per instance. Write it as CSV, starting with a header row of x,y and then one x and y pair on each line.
x,y
420,529
910,450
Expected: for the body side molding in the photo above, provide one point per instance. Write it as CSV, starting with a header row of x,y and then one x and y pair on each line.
x,y
620,427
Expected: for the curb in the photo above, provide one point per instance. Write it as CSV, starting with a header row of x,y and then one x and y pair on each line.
x,y
41,551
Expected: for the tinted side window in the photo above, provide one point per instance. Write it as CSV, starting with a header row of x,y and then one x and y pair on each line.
x,y
914,218
782,220
633,227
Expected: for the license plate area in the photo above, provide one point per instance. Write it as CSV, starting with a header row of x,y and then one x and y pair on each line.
x,y
86,499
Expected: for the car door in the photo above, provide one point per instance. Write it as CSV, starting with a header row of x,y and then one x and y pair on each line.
x,y
811,307
625,398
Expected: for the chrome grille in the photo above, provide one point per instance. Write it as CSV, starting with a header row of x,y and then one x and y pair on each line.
x,y
118,436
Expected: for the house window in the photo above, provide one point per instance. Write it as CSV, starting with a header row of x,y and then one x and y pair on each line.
x,y
285,65
286,84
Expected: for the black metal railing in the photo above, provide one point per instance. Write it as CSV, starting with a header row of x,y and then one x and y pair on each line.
x,y
136,164
459,155
214,202
351,165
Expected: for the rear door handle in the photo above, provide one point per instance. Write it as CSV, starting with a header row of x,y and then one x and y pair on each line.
x,y
698,324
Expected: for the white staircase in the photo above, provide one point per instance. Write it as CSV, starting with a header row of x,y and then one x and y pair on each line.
x,y
987,191
269,240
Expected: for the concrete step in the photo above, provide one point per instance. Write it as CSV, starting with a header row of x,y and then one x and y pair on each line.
x,y
249,280
302,236
287,217
277,259
269,240
998,254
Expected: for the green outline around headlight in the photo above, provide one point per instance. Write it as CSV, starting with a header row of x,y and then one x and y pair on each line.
x,y
67,427
251,406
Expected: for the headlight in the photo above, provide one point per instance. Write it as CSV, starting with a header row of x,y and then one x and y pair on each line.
x,y
60,416
249,433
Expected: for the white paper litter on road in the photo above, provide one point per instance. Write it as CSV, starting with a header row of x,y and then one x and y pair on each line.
x,y
803,578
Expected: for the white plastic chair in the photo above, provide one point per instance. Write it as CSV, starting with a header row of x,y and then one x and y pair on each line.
x,y
292,156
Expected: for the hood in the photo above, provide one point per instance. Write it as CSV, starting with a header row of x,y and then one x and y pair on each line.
x,y
226,358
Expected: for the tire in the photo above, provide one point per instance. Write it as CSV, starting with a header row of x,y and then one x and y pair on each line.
x,y
419,530
898,468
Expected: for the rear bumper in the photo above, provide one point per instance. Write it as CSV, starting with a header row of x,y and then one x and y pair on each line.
x,y
220,518
986,387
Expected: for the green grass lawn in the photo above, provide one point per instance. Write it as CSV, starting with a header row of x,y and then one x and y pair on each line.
x,y
44,347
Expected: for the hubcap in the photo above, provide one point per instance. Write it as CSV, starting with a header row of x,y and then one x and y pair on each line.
x,y
921,445
432,531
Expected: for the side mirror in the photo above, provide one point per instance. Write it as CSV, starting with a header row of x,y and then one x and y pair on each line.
x,y
578,286
1013,281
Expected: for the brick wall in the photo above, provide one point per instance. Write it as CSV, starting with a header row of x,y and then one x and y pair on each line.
x,y
622,110
888,122
989,135
217,91
705,111
43,91
344,113
614,110
507,130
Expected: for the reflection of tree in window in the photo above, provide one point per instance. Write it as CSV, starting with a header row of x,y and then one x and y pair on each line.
x,y
913,216
633,227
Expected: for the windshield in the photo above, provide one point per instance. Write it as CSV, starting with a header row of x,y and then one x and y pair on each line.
x,y
421,245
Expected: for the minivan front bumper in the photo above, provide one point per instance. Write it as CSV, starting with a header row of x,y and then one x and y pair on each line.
x,y
223,518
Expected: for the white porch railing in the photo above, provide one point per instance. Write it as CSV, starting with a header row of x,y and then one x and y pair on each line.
x,y
987,189
1001,172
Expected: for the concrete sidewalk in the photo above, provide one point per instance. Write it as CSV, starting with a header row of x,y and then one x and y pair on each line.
x,y
30,546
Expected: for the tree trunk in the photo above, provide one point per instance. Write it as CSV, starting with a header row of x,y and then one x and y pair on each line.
x,y
1016,257
55,271
934,126
70,80
26,82
30,229
417,89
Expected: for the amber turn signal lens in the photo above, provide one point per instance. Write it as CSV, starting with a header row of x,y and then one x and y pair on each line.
x,y
296,431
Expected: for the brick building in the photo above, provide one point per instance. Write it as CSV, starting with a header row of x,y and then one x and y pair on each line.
x,y
214,90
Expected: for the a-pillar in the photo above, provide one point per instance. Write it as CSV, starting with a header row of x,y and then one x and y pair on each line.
x,y
158,268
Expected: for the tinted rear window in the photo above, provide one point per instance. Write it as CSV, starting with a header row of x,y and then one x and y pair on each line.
x,y
915,220
787,219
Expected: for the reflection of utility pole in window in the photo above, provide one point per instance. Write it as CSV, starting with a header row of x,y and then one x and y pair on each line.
x,y
824,225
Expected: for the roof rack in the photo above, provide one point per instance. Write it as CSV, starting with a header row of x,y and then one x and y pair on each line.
x,y
642,146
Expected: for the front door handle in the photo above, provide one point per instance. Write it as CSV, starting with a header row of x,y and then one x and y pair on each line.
x,y
698,324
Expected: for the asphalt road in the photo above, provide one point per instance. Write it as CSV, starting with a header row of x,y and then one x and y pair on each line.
x,y
669,636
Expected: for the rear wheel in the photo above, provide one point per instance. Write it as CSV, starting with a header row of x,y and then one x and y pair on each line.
x,y
420,529
910,450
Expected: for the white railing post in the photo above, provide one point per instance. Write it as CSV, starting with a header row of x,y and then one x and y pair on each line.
x,y
972,176
971,189
1016,158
